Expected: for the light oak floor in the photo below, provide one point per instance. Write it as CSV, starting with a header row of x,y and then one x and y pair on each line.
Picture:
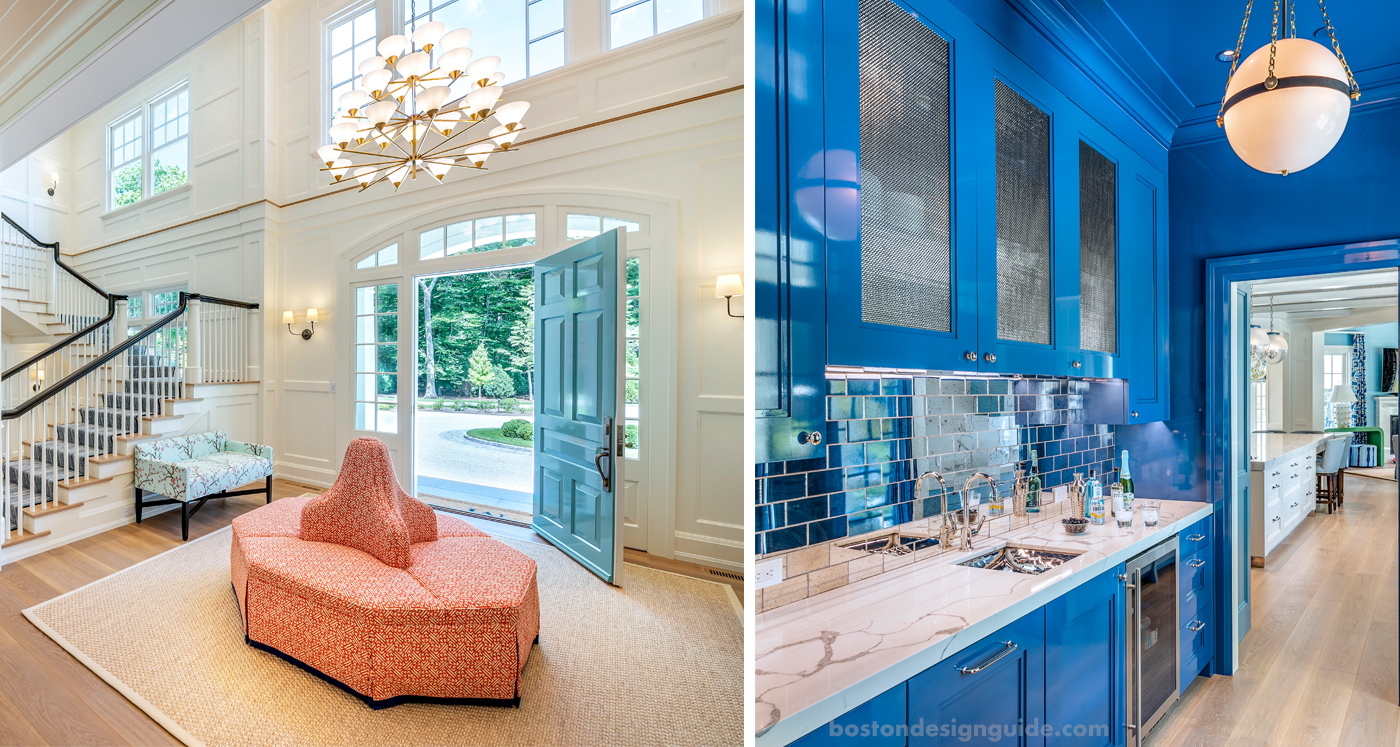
x,y
1319,666
48,698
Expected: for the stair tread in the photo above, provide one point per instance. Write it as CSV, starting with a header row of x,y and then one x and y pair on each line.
x,y
19,536
53,508
162,417
109,458
73,483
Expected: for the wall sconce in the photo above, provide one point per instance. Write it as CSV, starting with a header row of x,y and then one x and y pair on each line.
x,y
288,319
39,380
727,287
54,179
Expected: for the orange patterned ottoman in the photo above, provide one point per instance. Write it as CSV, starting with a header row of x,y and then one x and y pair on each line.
x,y
369,588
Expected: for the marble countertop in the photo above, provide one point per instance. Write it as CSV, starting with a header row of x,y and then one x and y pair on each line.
x,y
827,654
1266,447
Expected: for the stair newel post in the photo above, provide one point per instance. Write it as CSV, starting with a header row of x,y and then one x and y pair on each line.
x,y
194,374
253,335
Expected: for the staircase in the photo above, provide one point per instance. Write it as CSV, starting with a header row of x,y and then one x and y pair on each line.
x,y
74,413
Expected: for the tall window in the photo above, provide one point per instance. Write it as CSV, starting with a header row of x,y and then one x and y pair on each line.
x,y
633,386
478,235
546,35
135,171
587,226
1334,371
498,27
353,41
385,257
377,358
634,20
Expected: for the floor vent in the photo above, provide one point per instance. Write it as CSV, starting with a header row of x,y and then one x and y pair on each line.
x,y
726,574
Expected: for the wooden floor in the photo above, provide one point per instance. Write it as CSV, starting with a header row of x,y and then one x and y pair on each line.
x,y
1319,666
48,698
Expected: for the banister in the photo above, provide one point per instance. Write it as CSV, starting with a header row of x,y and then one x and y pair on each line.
x,y
58,387
223,301
58,260
46,352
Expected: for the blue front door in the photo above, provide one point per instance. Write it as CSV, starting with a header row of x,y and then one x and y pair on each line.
x,y
578,419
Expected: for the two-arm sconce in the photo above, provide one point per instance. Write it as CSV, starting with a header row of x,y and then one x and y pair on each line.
x,y
727,287
288,319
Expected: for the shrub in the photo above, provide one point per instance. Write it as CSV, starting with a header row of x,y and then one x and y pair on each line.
x,y
510,405
518,428
500,384
437,404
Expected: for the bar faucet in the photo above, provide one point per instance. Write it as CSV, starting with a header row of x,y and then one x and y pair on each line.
x,y
965,541
943,535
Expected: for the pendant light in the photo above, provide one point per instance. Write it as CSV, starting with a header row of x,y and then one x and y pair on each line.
x,y
1285,107
1277,348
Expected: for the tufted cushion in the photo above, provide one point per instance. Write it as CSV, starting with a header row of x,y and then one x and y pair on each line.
x,y
365,508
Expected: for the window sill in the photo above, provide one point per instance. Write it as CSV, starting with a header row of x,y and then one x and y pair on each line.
x,y
168,195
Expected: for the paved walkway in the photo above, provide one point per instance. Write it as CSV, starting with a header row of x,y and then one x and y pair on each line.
x,y
482,473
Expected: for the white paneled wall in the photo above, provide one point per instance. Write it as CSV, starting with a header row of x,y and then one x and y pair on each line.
x,y
256,224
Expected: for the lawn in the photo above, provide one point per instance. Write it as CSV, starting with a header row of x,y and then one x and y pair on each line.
x,y
494,435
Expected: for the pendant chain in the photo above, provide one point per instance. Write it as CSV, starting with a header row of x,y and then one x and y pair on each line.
x,y
1234,62
1271,82
1331,32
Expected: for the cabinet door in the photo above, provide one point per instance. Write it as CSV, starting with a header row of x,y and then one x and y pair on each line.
x,y
789,299
977,695
1097,348
899,221
1145,317
879,722
1084,652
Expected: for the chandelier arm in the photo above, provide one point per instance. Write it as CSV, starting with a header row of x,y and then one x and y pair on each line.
x,y
1332,33
440,146
1234,63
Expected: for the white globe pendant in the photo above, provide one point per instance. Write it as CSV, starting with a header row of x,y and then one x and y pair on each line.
x,y
1292,125
1258,340
1277,350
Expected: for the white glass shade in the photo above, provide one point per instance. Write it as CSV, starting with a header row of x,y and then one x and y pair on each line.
x,y
371,64
311,316
343,133
447,121
497,79
1278,348
397,175
455,60
288,318
431,100
477,154
339,166
504,137
1258,340
455,39
428,34
729,285
393,46
381,112
377,81
352,100
365,174
510,114
1289,128
438,170
483,68
482,99
1342,394
414,65
326,153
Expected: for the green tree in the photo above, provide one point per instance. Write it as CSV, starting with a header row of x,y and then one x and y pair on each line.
x,y
168,176
126,185
500,384
522,340
479,369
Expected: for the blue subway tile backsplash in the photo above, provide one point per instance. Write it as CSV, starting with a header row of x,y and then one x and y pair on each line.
x,y
885,429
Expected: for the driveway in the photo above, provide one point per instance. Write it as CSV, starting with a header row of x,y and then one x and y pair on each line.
x,y
443,458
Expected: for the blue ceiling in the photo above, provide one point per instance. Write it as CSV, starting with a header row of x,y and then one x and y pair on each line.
x,y
1168,47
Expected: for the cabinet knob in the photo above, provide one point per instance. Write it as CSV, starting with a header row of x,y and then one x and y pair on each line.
x,y
1075,364
970,355
990,357
1135,413
809,437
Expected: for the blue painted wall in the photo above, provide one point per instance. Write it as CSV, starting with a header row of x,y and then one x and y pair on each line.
x,y
1219,207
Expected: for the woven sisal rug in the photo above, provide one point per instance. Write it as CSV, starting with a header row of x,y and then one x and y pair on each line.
x,y
658,662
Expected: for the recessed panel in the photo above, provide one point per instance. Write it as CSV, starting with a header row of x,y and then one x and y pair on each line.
x,y
551,352
587,277
551,496
586,505
588,364
552,286
566,448
1025,311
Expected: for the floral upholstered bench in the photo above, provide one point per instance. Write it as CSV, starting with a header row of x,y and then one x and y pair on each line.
x,y
193,469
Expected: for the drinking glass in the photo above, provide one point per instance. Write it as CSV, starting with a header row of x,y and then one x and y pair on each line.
x,y
1124,516
1151,512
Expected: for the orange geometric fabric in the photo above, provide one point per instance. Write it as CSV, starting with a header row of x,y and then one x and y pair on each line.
x,y
457,621
367,510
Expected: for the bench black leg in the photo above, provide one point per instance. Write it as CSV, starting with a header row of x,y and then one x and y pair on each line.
x,y
269,488
138,503
184,520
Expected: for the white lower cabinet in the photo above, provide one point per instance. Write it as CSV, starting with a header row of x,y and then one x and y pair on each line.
x,y
1288,487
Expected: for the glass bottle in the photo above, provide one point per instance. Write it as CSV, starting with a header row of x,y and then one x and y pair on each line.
x,y
1033,487
1094,498
1125,478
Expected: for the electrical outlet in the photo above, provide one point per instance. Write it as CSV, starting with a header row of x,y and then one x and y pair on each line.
x,y
1061,493
767,573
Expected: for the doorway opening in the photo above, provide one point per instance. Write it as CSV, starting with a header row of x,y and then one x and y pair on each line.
x,y
475,391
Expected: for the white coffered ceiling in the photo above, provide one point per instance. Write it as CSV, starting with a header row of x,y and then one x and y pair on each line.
x,y
1323,296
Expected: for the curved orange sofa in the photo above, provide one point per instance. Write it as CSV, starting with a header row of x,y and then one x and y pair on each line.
x,y
374,591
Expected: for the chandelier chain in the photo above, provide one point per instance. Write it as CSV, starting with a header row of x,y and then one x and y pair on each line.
x,y
1234,62
1271,82
1292,20
1332,33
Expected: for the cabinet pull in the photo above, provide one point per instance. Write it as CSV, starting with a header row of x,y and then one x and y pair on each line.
x,y
1075,364
970,355
990,357
1196,626
812,437
1197,563
1010,646
1135,413
1195,537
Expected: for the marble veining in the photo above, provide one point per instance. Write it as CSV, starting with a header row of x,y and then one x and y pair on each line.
x,y
823,656
1266,447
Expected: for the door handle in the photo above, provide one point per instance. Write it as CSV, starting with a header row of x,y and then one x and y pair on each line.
x,y
1010,646
598,465
1195,537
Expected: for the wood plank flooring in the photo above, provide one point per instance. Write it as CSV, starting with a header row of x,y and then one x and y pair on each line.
x,y
1320,665
48,698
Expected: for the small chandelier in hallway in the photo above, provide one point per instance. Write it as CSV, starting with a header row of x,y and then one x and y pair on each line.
x,y
411,118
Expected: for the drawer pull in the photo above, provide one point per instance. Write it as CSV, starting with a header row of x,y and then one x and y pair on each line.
x,y
1197,563
1196,626
1195,537
1010,646
1295,505
1275,474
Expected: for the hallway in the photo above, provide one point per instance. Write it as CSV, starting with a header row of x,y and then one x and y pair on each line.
x,y
1320,665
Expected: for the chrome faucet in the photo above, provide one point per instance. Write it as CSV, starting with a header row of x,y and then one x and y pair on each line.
x,y
943,535
965,541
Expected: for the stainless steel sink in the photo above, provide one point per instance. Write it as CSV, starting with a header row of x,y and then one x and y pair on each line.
x,y
1025,560
893,543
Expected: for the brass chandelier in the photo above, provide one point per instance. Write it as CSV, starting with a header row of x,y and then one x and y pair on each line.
x,y
410,117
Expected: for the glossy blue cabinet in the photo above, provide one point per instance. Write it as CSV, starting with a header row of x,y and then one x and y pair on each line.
x,y
866,724
789,304
1084,663
977,695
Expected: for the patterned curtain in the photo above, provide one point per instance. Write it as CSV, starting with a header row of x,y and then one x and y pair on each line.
x,y
1388,361
1358,383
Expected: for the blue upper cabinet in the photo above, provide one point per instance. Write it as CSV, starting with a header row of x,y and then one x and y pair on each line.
x,y
1145,202
790,250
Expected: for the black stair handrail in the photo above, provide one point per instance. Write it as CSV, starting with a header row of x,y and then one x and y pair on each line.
x,y
57,258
